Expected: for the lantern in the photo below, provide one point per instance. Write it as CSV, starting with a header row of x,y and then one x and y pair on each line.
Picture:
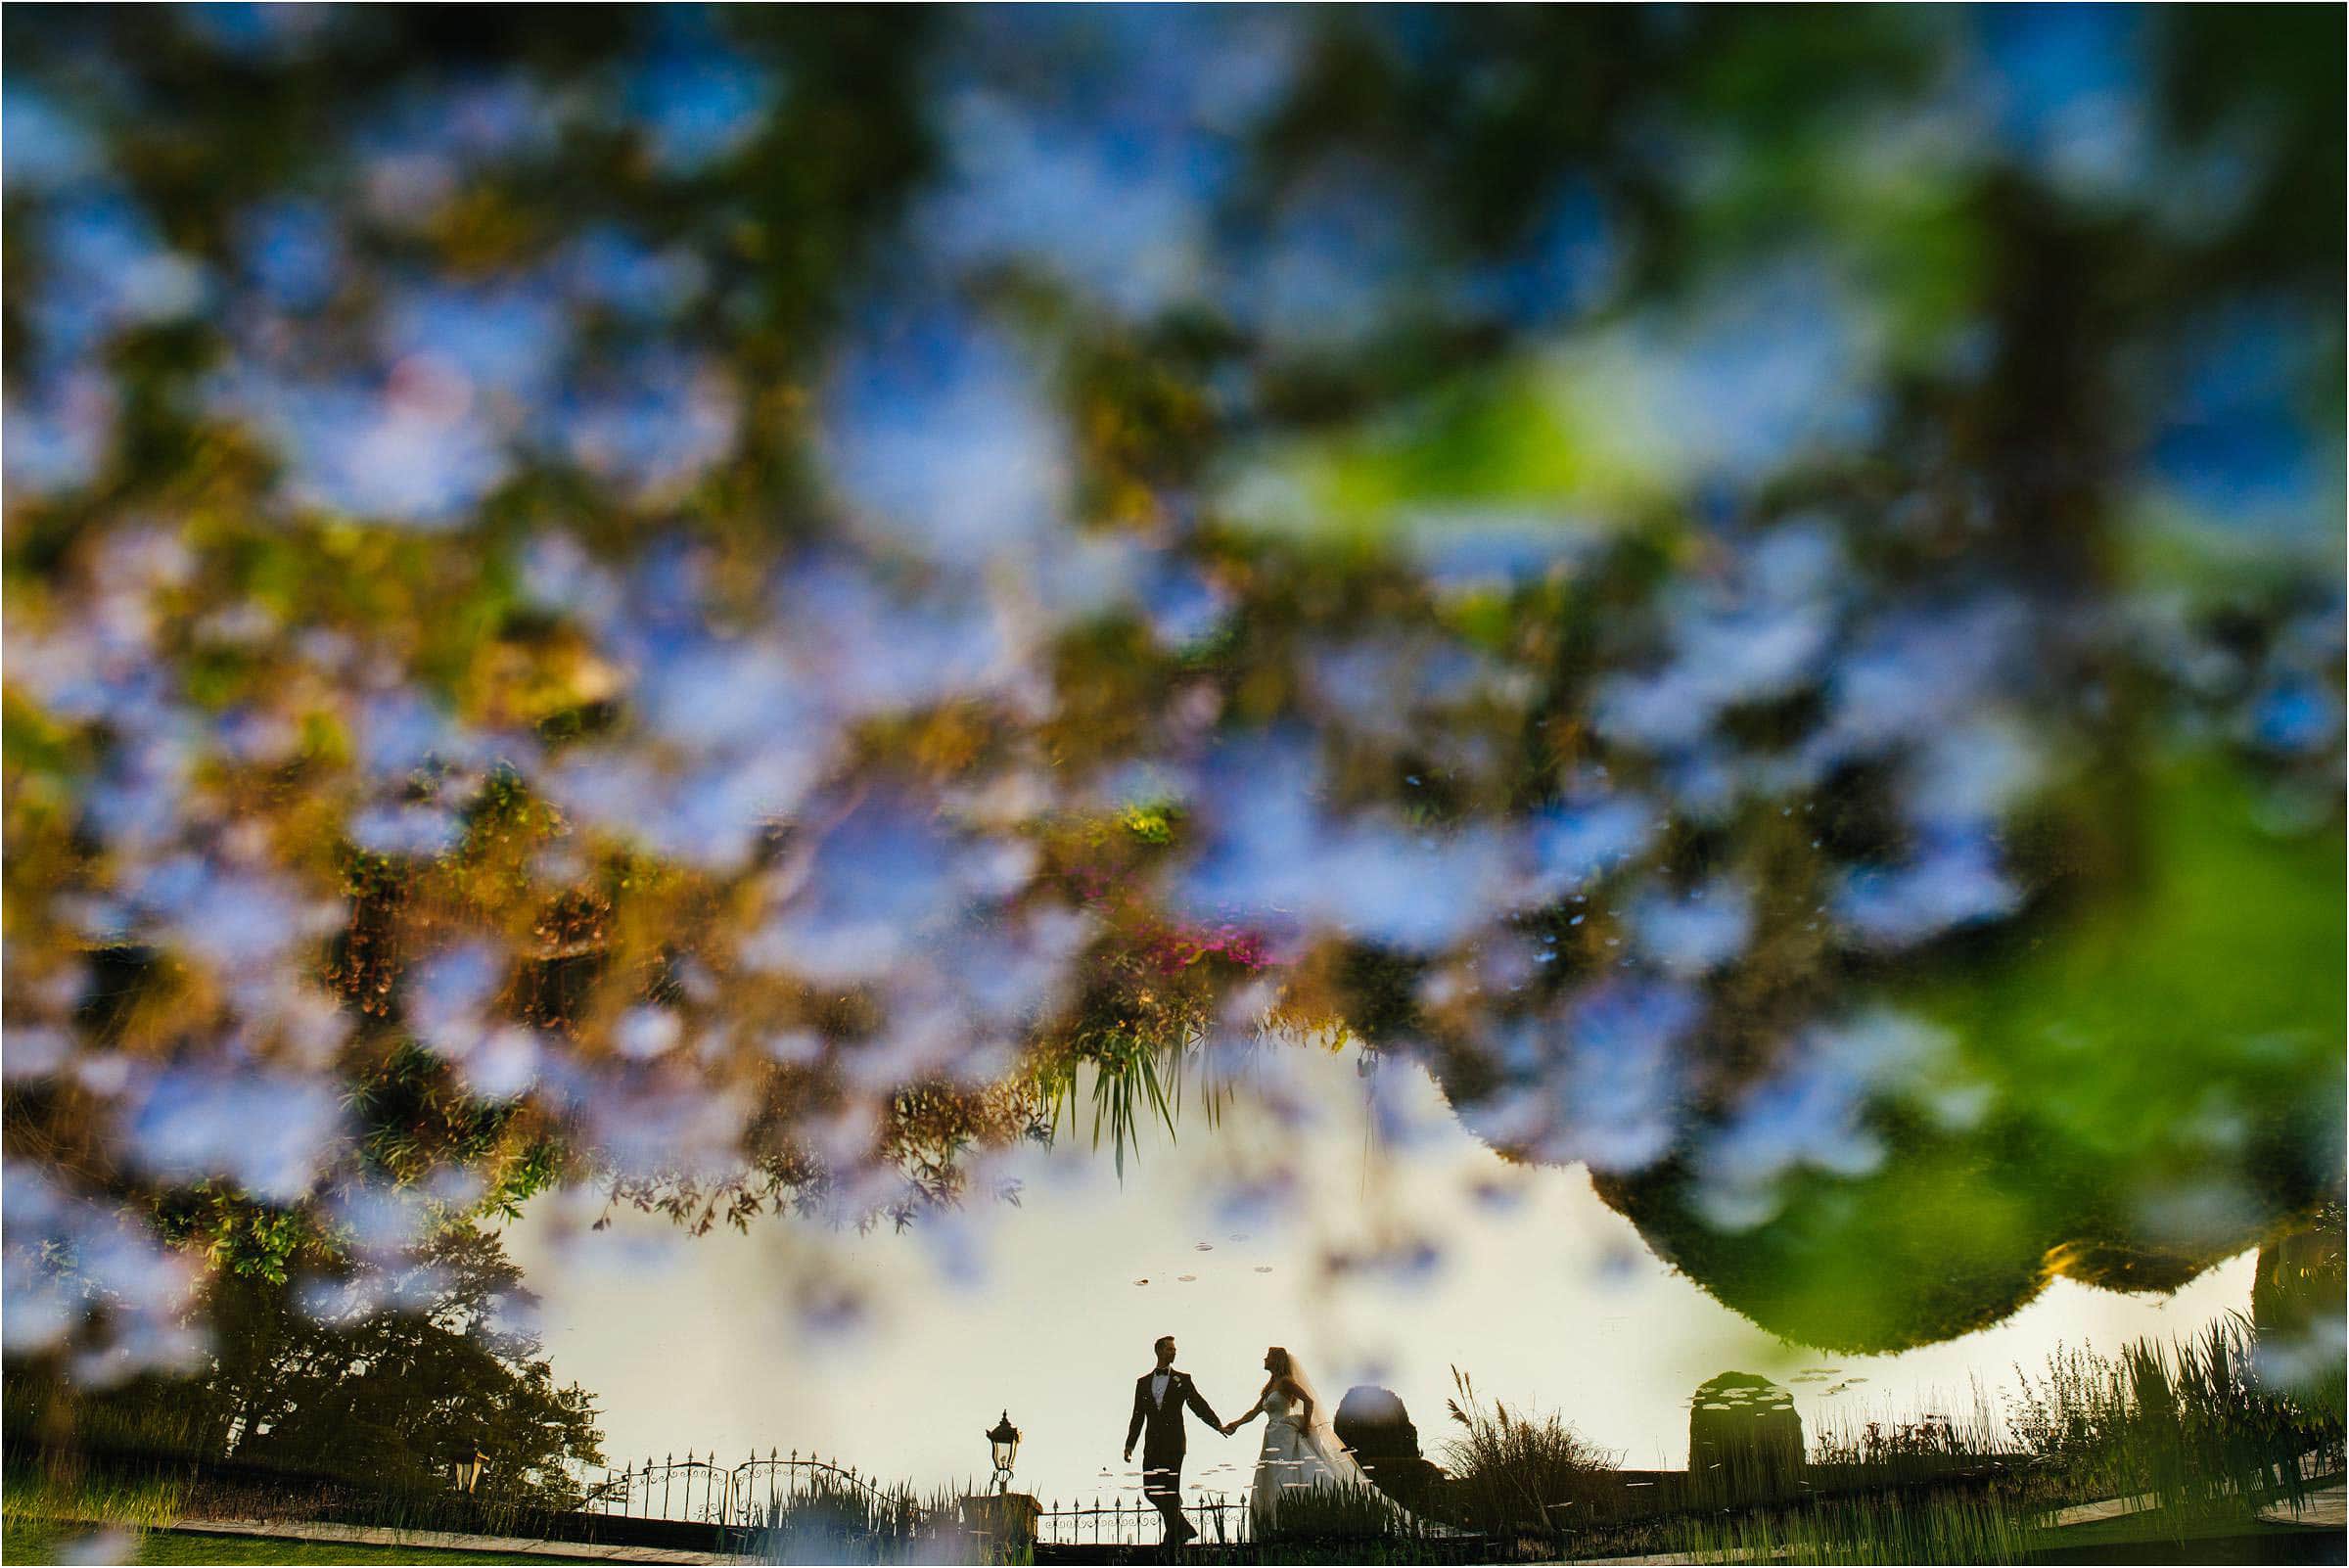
x,y
1003,1443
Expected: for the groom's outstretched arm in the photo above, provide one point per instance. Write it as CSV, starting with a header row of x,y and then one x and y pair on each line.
x,y
1199,1407
1133,1428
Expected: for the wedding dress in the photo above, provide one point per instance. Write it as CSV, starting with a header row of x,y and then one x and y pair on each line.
x,y
1301,1455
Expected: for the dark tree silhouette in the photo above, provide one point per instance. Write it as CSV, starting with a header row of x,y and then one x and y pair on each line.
x,y
387,1373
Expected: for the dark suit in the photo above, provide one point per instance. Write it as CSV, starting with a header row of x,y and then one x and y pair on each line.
x,y
1162,1445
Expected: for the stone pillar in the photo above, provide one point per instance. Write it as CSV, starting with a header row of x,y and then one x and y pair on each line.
x,y
1372,1422
1007,1519
1744,1435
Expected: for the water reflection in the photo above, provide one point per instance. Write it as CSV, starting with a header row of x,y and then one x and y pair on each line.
x,y
754,609
1596,1328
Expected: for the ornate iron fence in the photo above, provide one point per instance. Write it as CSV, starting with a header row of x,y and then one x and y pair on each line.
x,y
1221,1520
751,1495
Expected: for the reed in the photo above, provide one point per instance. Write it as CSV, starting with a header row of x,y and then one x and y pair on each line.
x,y
1931,1526
1327,1514
829,1520
2188,1424
1519,1473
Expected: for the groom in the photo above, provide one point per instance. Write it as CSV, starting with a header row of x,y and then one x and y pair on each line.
x,y
1159,1397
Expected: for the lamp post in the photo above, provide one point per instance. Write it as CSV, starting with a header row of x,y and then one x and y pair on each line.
x,y
1003,1443
1005,1520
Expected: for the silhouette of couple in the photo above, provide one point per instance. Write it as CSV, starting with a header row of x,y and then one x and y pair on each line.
x,y
1301,1449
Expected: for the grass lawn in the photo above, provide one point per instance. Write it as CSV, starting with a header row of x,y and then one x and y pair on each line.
x,y
47,1540
2151,1528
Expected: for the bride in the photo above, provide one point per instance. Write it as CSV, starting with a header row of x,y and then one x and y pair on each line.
x,y
1302,1451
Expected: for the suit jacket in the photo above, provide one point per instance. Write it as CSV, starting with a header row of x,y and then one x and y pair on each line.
x,y
1164,1422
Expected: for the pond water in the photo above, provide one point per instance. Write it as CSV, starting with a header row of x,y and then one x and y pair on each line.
x,y
1529,1284
1730,634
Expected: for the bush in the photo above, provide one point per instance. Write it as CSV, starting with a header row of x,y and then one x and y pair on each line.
x,y
2190,1423
1514,1473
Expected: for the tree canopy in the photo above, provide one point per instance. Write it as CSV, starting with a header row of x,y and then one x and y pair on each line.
x,y
741,604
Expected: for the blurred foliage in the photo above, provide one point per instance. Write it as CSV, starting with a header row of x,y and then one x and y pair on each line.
x,y
2128,1054
744,604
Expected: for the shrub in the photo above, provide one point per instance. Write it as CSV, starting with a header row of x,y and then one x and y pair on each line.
x,y
1515,1473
